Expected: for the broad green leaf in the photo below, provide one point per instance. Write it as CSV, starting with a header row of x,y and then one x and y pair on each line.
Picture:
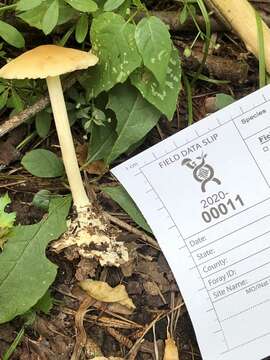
x,y
101,142
113,42
34,17
112,4
83,5
81,28
24,5
25,272
135,118
43,163
154,43
120,195
43,123
223,100
11,35
163,97
51,17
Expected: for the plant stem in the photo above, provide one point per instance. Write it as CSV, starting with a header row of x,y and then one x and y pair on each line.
x,y
207,40
189,98
8,7
65,139
14,345
262,70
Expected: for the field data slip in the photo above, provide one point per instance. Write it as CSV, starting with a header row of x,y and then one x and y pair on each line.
x,y
205,192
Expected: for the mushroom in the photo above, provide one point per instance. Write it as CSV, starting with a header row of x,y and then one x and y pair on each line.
x,y
89,232
49,62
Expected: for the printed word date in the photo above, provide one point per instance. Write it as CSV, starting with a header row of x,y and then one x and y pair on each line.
x,y
222,208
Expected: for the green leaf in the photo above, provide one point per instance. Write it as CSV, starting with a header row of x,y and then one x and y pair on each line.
x,y
43,163
43,123
183,15
34,17
163,97
154,43
24,5
45,304
101,142
11,35
83,5
3,99
6,219
223,100
113,42
81,28
112,4
25,272
135,118
119,195
17,101
42,199
51,17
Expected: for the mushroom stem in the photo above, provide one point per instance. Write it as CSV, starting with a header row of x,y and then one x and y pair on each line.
x,y
65,139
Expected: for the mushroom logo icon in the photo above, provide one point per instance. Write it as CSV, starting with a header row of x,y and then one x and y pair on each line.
x,y
202,172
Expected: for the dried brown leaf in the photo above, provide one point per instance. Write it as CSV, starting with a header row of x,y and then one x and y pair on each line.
x,y
97,167
171,351
101,291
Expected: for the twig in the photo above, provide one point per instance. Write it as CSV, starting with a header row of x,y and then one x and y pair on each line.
x,y
32,110
81,336
146,238
171,18
216,66
122,339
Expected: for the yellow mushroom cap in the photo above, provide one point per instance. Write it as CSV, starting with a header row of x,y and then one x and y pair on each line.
x,y
47,60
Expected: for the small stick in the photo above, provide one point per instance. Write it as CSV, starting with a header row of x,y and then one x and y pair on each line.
x,y
171,18
148,239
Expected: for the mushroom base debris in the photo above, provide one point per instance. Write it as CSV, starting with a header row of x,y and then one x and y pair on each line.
x,y
91,235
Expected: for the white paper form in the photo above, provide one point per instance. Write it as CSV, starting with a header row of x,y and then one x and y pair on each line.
x,y
205,192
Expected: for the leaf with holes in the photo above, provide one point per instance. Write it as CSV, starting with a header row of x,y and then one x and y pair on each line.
x,y
114,43
25,272
135,118
154,43
163,97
